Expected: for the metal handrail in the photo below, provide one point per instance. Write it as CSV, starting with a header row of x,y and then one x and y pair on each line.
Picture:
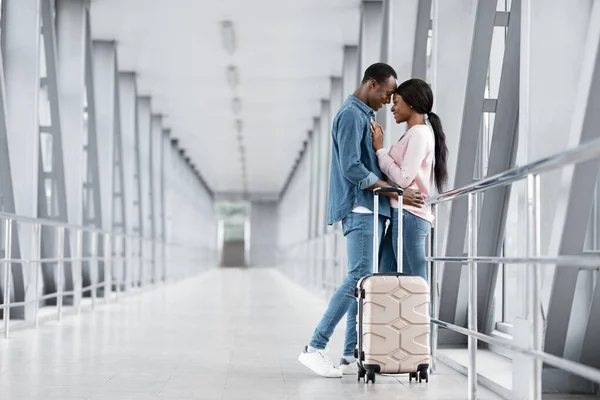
x,y
577,262
562,363
132,275
582,153
88,229
531,172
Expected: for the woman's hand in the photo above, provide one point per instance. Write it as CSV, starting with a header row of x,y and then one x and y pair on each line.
x,y
377,135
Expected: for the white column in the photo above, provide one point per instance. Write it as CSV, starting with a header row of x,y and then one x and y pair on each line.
x,y
71,42
105,73
155,162
144,129
324,158
128,112
399,53
370,35
350,80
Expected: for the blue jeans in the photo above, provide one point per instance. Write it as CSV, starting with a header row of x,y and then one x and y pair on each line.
x,y
358,230
414,234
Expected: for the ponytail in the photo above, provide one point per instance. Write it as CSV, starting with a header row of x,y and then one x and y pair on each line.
x,y
441,152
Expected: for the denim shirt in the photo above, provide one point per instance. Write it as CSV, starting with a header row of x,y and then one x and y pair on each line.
x,y
354,164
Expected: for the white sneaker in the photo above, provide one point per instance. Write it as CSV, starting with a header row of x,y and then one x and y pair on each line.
x,y
319,363
348,368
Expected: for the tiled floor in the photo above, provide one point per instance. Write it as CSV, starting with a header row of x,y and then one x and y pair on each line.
x,y
231,334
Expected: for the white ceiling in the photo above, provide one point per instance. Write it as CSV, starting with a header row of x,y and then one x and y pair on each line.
x,y
286,52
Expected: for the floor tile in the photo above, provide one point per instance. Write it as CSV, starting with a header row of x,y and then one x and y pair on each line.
x,y
231,334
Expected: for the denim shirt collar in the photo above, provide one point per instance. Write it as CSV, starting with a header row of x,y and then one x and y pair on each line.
x,y
362,106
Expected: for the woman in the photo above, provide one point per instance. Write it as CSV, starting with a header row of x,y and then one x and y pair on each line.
x,y
416,161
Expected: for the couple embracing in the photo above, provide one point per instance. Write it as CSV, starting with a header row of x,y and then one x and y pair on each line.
x,y
360,164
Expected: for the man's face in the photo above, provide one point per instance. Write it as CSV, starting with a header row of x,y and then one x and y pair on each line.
x,y
381,93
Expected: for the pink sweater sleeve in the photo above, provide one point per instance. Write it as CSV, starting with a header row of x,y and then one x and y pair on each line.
x,y
404,171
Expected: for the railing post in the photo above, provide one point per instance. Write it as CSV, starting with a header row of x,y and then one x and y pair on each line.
x,y
472,304
94,266
140,279
78,271
108,261
164,262
37,265
128,264
433,287
8,224
60,253
533,282
117,263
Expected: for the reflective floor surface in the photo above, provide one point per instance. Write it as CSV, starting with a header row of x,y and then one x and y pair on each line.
x,y
229,334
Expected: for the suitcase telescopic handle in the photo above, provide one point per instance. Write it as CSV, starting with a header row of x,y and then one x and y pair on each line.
x,y
376,192
400,191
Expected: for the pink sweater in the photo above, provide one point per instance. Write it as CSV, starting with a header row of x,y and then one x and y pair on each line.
x,y
411,159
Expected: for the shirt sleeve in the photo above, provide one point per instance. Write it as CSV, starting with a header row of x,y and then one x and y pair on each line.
x,y
349,137
406,171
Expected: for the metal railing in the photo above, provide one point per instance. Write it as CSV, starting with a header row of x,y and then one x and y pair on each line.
x,y
299,259
128,264
533,259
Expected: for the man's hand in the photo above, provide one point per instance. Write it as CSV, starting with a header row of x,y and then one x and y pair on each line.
x,y
413,198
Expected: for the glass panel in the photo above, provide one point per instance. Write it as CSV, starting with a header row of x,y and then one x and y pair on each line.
x,y
46,148
43,66
45,118
499,300
510,283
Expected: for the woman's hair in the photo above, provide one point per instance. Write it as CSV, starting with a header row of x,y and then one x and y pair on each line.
x,y
418,95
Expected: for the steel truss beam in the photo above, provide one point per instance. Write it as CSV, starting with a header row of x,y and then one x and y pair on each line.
x,y
92,186
57,207
21,58
573,322
7,198
502,156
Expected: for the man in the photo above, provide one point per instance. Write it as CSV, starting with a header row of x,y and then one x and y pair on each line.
x,y
354,175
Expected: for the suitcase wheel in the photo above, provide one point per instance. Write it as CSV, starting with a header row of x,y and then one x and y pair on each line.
x,y
370,376
411,376
361,373
423,376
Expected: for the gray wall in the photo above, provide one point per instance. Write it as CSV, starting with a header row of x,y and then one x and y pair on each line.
x,y
263,233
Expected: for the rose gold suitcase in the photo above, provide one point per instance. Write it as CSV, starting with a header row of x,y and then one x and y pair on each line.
x,y
393,321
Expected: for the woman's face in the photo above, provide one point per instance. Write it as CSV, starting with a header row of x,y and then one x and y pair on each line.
x,y
400,109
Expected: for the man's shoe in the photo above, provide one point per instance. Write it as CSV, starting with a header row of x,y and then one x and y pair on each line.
x,y
318,362
348,368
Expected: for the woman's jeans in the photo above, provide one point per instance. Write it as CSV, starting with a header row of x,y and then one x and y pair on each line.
x,y
358,230
414,234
